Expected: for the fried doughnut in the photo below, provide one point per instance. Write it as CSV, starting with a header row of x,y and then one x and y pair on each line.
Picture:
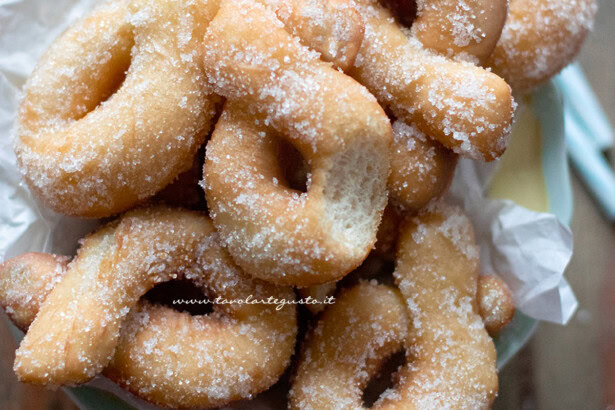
x,y
367,324
540,38
451,360
118,264
331,27
147,360
421,168
464,107
495,303
277,88
25,282
117,106
460,28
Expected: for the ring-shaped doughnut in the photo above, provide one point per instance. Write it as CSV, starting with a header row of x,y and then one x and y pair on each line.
x,y
540,38
450,358
277,88
464,107
90,151
234,352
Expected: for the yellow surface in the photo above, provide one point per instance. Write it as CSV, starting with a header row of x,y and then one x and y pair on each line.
x,y
519,176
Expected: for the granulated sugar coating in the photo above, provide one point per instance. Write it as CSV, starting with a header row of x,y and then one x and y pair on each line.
x,y
495,303
367,324
25,282
162,355
333,28
277,88
421,168
540,38
89,150
464,107
450,358
460,28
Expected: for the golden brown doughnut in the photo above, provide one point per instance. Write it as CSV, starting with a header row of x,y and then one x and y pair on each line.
x,y
495,303
540,38
351,340
464,107
117,106
467,28
331,27
451,360
277,88
421,168
25,282
147,360
233,358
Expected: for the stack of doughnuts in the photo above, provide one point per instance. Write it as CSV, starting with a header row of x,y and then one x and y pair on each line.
x,y
271,153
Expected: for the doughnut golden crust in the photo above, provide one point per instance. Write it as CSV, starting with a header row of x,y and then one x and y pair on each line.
x,y
331,27
540,38
148,351
451,360
234,355
91,151
276,88
421,169
367,324
25,282
464,107
460,28
495,303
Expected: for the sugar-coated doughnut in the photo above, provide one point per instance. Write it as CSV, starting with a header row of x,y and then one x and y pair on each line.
x,y
495,303
331,27
453,358
25,282
450,358
464,107
234,356
352,338
421,168
469,28
277,88
148,360
540,38
117,106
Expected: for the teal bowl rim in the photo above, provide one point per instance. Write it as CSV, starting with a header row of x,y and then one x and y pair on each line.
x,y
547,105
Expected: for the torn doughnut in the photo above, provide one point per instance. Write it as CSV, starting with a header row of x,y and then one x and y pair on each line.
x,y
540,38
450,358
230,355
116,107
464,107
278,89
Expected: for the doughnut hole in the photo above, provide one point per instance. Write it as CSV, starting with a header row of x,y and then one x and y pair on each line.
x,y
354,192
107,87
106,78
384,379
295,168
170,294
403,10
